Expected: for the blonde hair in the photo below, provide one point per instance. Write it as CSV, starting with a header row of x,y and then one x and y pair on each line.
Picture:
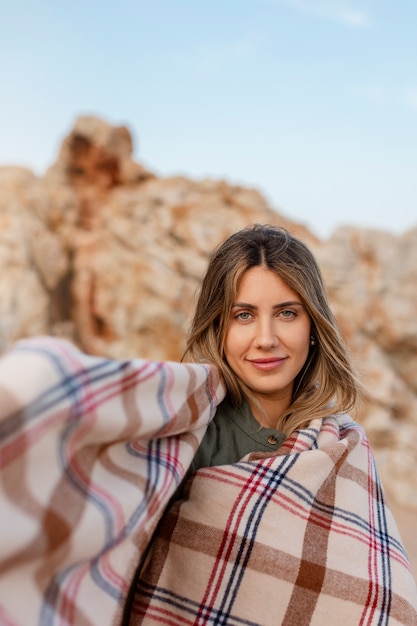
x,y
327,382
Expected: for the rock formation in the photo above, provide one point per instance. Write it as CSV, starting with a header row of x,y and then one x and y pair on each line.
x,y
103,252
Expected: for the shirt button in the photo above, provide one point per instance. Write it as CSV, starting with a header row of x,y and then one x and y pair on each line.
x,y
272,440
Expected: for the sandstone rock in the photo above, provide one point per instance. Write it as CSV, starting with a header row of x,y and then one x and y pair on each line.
x,y
97,154
104,253
32,259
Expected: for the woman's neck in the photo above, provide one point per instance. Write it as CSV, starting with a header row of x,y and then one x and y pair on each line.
x,y
269,412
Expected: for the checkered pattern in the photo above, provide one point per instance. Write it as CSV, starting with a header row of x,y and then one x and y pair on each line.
x,y
302,537
91,451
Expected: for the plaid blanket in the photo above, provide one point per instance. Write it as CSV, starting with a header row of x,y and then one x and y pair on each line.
x,y
91,451
302,537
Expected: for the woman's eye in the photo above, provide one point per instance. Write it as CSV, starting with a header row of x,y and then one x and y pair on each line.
x,y
244,315
287,314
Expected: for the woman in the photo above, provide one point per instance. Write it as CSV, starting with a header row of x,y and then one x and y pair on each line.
x,y
263,318
282,519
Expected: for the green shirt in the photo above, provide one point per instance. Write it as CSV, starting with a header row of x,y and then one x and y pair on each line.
x,y
233,433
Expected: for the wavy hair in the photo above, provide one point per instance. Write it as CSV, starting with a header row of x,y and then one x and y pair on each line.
x,y
327,382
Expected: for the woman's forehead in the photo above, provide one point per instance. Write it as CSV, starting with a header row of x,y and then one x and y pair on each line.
x,y
259,280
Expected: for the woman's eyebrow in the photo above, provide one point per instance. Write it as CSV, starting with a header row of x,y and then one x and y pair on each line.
x,y
243,305
246,305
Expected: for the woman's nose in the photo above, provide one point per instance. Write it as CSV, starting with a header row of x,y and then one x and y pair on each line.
x,y
266,336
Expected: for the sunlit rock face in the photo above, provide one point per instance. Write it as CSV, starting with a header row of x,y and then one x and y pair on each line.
x,y
103,252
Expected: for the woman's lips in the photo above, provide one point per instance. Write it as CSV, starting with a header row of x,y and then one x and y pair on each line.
x,y
266,364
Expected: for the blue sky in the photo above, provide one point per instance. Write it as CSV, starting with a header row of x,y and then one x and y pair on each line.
x,y
313,102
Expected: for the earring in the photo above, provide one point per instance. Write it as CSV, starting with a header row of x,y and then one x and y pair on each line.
x,y
312,341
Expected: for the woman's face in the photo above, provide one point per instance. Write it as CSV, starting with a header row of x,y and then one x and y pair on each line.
x,y
268,336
